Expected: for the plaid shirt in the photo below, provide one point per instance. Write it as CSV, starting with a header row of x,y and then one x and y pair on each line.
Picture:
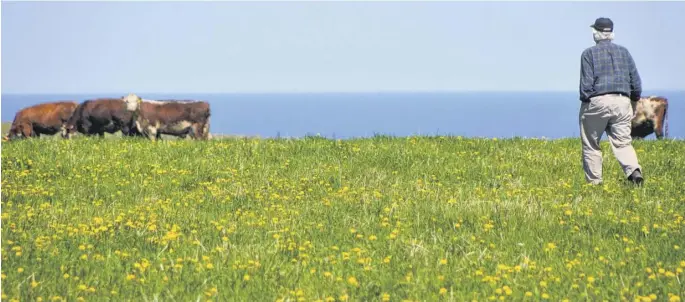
x,y
608,68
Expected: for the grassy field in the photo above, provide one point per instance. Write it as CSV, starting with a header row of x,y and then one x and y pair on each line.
x,y
379,219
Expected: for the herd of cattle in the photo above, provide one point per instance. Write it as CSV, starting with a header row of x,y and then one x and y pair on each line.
x,y
130,114
134,116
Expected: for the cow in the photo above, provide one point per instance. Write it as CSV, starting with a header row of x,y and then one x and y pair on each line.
x,y
174,117
649,116
45,118
97,116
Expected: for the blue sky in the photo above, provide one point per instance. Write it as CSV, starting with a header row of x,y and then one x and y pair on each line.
x,y
213,47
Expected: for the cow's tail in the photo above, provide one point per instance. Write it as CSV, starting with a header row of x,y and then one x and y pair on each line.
x,y
665,118
205,130
205,127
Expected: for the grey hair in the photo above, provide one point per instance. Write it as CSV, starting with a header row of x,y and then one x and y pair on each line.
x,y
599,36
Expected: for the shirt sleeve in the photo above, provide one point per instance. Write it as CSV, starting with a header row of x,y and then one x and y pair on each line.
x,y
586,76
635,81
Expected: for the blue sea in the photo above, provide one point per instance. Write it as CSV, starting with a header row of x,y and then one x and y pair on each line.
x,y
353,115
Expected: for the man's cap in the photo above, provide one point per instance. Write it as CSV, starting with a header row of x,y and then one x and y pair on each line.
x,y
603,25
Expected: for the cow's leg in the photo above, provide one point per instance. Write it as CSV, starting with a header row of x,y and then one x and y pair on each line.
x,y
26,130
87,127
200,130
151,133
203,129
125,130
659,122
195,131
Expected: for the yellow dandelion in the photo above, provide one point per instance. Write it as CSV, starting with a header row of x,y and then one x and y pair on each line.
x,y
352,281
443,290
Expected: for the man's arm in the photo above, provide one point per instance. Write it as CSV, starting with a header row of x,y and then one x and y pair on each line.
x,y
587,78
635,81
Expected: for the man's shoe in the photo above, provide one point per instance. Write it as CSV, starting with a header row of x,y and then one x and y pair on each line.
x,y
636,177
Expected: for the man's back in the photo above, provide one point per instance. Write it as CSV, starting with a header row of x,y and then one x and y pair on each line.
x,y
609,68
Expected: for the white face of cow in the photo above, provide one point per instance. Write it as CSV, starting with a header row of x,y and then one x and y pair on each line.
x,y
132,102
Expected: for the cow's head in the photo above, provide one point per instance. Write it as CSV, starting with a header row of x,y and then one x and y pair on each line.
x,y
68,130
132,101
14,133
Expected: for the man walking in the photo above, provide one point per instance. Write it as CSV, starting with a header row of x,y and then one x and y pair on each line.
x,y
608,82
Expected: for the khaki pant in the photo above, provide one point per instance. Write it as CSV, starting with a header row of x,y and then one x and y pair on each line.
x,y
611,113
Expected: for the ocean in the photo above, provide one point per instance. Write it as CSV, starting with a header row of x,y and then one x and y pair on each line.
x,y
354,115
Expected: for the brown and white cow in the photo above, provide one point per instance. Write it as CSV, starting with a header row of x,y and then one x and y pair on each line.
x,y
45,118
649,116
174,117
97,116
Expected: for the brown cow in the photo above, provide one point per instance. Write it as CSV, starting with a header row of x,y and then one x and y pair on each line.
x,y
649,116
102,115
172,117
45,118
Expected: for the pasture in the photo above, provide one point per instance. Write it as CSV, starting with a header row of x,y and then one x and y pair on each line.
x,y
375,219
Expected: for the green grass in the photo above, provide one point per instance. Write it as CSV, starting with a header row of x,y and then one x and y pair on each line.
x,y
418,218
